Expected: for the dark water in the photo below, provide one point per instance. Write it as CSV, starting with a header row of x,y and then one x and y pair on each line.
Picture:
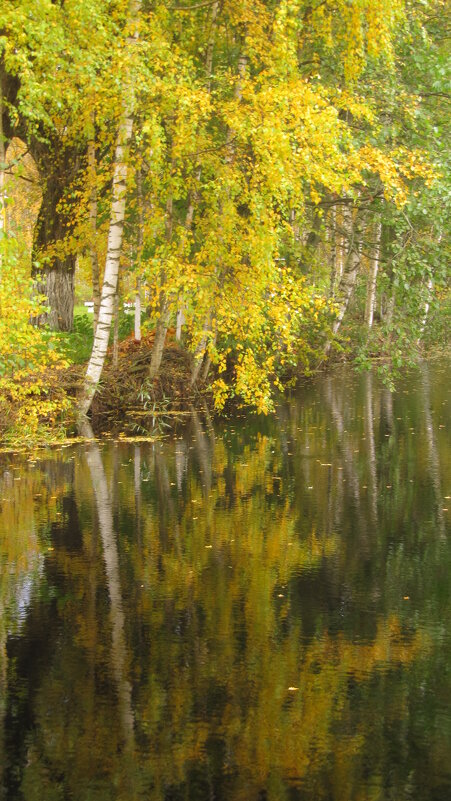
x,y
259,610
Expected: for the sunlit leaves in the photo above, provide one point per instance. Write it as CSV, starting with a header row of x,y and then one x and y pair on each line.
x,y
27,354
251,120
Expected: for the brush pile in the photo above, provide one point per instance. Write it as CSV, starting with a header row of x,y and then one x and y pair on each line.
x,y
128,401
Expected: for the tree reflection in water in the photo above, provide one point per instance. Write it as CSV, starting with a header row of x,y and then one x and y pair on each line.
x,y
255,611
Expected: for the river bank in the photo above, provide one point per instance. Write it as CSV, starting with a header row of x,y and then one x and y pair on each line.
x,y
130,405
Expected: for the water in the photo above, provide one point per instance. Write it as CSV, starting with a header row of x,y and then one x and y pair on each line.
x,y
255,610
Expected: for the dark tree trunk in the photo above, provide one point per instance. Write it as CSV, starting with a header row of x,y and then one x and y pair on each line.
x,y
53,251
10,87
54,255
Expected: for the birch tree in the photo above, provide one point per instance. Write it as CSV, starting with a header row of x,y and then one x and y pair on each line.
x,y
115,233
349,271
372,278
93,228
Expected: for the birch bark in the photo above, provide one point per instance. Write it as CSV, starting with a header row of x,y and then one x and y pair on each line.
x,y
333,248
116,326
372,279
427,304
139,254
92,177
138,310
114,248
349,274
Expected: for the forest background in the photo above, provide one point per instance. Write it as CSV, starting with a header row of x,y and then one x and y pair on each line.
x,y
263,184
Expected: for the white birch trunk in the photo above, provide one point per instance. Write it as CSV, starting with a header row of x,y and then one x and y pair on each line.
x,y
116,327
140,247
390,310
372,279
333,248
347,285
427,304
340,249
109,288
161,329
349,274
93,229
138,311
180,322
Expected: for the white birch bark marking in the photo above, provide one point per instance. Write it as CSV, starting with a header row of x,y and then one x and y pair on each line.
x,y
372,279
427,304
180,322
116,326
349,273
93,229
333,248
138,310
114,247
160,338
139,254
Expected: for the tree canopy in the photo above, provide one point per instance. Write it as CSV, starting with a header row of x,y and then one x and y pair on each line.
x,y
283,178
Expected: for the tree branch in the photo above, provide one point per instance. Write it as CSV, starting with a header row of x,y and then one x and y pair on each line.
x,y
195,6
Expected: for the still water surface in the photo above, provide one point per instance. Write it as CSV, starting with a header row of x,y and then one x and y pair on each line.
x,y
259,609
